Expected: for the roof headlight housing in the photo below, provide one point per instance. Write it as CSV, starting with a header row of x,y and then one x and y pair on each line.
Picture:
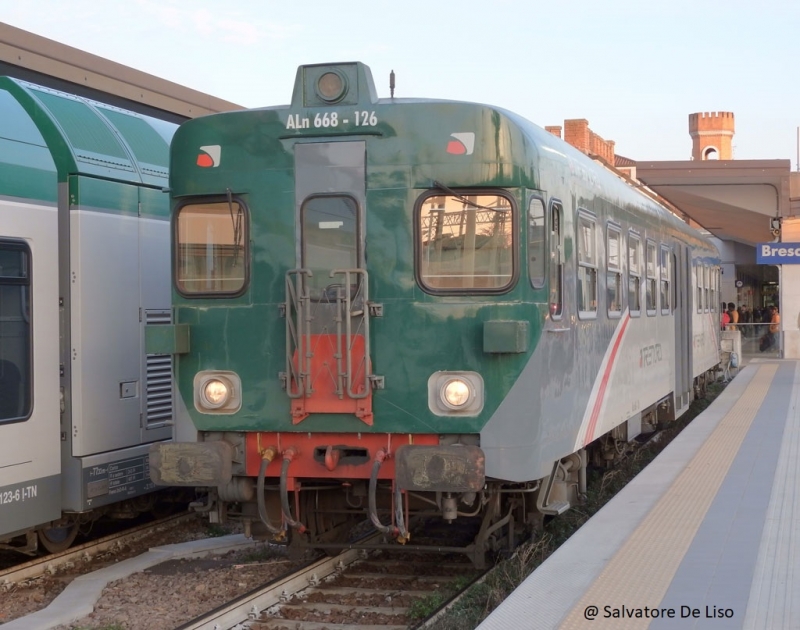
x,y
331,86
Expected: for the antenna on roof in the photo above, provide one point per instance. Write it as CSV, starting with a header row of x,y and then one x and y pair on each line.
x,y
391,84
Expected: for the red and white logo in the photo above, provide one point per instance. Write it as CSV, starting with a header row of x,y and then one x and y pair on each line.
x,y
209,156
463,144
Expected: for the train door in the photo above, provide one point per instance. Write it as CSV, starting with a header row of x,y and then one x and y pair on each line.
x,y
682,264
328,358
103,285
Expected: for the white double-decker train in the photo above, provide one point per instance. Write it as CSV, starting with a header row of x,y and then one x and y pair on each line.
x,y
84,265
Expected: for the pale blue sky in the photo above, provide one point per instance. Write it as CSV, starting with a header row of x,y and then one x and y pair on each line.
x,y
634,69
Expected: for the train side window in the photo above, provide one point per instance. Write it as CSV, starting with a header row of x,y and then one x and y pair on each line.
x,y
537,243
706,275
211,248
614,271
650,288
665,280
587,266
15,331
714,288
466,244
556,261
634,274
674,276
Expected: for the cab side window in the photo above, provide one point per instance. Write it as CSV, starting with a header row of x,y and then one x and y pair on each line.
x,y
556,261
537,243
211,248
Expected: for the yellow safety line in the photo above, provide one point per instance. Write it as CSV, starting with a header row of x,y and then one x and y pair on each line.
x,y
641,571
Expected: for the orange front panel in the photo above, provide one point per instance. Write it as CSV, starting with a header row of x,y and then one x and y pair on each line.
x,y
329,359
310,461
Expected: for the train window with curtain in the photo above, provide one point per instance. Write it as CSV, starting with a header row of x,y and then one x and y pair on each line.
x,y
556,260
587,266
698,271
537,243
211,248
15,331
634,274
466,243
650,287
665,279
614,271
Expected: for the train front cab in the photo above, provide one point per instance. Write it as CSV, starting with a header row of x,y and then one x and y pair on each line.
x,y
325,339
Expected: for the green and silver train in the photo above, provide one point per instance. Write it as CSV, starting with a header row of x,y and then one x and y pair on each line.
x,y
84,265
401,308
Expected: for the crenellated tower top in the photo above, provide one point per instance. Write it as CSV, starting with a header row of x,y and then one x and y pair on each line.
x,y
712,135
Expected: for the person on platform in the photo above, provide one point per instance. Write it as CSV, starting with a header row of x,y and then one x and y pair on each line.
x,y
770,339
734,315
746,317
774,326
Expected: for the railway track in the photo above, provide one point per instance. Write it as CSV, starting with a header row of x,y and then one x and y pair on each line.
x,y
361,590
84,554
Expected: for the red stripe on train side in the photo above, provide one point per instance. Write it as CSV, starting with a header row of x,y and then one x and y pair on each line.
x,y
598,403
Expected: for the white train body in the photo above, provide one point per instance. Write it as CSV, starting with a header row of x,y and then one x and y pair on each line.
x,y
84,265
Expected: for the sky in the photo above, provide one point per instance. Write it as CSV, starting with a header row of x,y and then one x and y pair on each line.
x,y
634,69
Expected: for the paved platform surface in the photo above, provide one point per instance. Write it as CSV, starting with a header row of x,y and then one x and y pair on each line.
x,y
705,537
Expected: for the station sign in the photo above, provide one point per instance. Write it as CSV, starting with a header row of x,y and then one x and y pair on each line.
x,y
778,254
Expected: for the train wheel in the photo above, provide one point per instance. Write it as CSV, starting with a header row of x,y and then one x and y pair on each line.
x,y
57,539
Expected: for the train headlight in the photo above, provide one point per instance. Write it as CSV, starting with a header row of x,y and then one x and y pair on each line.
x,y
217,392
455,393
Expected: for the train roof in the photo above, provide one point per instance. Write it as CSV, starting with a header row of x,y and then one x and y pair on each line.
x,y
47,135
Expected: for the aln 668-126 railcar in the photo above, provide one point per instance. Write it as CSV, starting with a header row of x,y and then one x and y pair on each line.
x,y
396,307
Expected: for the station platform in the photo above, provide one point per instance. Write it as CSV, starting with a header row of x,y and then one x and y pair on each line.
x,y
706,536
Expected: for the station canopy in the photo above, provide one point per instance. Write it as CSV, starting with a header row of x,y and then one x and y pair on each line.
x,y
734,200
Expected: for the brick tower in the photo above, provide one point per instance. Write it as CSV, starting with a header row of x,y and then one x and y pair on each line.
x,y
712,134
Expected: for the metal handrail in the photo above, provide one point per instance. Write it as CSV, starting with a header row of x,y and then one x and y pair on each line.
x,y
298,331
751,335
344,305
